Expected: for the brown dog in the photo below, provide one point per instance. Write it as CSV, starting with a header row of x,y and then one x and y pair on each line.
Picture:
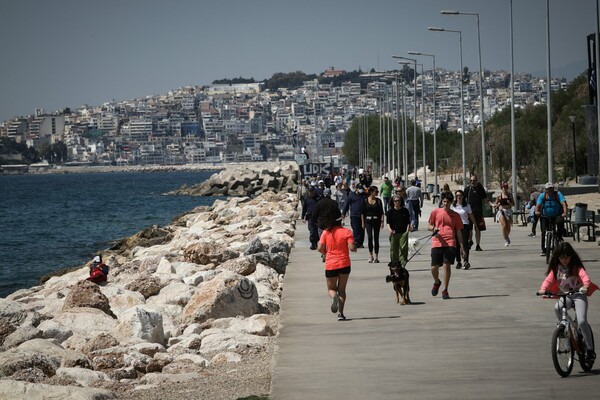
x,y
399,276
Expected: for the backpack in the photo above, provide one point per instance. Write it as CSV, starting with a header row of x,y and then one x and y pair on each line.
x,y
551,206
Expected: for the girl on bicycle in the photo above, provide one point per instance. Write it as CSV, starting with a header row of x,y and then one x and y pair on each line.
x,y
566,273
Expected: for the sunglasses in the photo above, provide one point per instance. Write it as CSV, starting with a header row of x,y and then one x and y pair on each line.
x,y
396,201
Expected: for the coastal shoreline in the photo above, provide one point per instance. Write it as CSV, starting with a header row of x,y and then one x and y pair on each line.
x,y
83,169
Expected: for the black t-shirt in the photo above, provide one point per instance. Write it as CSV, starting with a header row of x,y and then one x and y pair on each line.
x,y
475,196
398,220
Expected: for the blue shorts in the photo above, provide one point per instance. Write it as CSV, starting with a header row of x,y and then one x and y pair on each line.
x,y
442,255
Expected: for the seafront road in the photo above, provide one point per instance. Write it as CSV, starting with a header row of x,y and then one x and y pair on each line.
x,y
490,340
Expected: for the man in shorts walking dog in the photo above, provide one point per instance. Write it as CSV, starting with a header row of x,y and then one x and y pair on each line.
x,y
446,226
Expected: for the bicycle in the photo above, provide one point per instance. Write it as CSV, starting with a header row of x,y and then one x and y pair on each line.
x,y
552,237
567,340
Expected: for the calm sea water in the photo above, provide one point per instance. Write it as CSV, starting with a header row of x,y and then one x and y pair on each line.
x,y
48,222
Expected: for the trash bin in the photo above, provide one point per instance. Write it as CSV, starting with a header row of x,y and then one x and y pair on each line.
x,y
430,188
579,212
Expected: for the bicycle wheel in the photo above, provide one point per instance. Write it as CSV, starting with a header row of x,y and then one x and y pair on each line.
x,y
549,245
562,351
586,364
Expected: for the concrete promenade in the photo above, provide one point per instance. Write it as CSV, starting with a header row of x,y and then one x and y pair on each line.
x,y
490,340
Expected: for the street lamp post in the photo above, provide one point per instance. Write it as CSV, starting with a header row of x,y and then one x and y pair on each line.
x,y
483,157
435,169
462,113
572,118
413,60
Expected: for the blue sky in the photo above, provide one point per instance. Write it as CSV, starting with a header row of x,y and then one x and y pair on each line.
x,y
65,53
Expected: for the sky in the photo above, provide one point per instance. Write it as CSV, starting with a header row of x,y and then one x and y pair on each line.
x,y
66,53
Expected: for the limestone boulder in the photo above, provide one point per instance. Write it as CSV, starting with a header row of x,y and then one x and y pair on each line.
x,y
146,285
87,294
139,324
244,265
85,322
226,295
207,252
12,389
83,377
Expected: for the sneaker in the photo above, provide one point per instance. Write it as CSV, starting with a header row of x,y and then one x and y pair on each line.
x,y
466,265
458,265
445,295
376,261
506,243
478,248
532,235
542,254
590,356
470,243
341,317
436,287
334,303
370,259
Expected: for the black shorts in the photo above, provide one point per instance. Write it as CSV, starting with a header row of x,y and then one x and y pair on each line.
x,y
443,255
332,273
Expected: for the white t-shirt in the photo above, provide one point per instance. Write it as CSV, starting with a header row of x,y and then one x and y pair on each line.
x,y
464,212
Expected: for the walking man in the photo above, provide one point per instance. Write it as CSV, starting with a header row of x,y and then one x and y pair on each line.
x,y
355,204
476,195
308,207
414,200
386,193
446,226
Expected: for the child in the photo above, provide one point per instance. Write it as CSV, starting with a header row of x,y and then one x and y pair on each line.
x,y
566,273
336,243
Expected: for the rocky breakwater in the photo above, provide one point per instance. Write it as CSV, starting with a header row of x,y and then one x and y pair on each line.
x,y
200,293
247,179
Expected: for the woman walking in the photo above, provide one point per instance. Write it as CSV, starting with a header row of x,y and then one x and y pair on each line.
x,y
503,203
336,243
463,209
372,220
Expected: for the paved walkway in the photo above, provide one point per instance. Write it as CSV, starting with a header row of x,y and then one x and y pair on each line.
x,y
491,340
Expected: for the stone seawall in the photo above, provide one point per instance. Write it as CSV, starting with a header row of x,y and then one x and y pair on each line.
x,y
250,179
181,298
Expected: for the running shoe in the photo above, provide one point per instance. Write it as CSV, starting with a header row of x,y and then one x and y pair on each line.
x,y
466,265
542,254
532,235
506,243
458,265
445,295
436,287
335,303
341,317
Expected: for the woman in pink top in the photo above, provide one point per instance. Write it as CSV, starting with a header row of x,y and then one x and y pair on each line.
x,y
566,273
336,243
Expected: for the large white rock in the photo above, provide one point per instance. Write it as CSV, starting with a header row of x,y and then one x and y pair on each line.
x,y
226,295
84,377
55,331
121,299
177,293
34,391
137,324
85,321
220,340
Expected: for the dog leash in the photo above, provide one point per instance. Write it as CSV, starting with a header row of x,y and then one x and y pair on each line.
x,y
435,232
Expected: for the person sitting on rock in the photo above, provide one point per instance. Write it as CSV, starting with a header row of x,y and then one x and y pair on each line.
x,y
98,271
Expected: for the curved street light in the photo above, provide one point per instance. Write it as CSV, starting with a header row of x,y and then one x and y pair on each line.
x,y
483,145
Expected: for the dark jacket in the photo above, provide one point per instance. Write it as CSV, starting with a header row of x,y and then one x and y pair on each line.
x,y
308,207
354,204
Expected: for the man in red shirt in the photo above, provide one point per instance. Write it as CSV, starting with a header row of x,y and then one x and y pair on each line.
x,y
445,225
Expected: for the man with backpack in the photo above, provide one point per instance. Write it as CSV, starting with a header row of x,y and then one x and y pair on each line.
x,y
551,206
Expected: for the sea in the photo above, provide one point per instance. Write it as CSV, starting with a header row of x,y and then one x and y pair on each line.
x,y
53,221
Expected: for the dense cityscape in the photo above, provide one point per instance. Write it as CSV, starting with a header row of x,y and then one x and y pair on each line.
x,y
245,122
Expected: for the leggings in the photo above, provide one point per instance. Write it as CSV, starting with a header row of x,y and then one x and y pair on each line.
x,y
465,237
578,301
372,227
